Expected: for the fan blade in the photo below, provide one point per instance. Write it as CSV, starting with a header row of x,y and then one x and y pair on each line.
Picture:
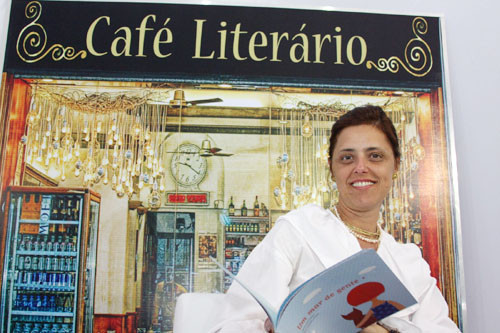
x,y
223,154
204,101
215,150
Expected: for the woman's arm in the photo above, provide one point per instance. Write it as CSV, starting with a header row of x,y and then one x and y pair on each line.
x,y
267,271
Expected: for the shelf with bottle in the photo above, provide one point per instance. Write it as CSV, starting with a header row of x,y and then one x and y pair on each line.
x,y
41,313
49,222
45,281
43,305
64,240
52,208
23,327
242,229
258,210
48,253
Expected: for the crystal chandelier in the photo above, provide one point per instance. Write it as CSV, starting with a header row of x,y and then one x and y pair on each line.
x,y
304,175
110,138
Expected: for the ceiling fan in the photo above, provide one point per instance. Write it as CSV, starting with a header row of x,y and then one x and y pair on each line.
x,y
207,150
179,100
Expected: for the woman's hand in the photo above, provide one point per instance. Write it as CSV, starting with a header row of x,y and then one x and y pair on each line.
x,y
269,326
374,328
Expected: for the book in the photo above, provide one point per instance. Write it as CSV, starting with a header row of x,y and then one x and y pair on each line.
x,y
346,297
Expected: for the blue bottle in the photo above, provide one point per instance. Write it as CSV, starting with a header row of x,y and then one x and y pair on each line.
x,y
17,328
45,303
52,303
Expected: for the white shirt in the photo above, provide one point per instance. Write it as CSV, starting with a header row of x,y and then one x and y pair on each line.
x,y
306,241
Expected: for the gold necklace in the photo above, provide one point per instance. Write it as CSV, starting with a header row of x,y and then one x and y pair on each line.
x,y
367,236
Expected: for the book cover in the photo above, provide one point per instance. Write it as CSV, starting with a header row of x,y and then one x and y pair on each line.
x,y
345,297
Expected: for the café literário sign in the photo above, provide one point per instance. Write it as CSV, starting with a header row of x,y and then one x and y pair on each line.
x,y
190,42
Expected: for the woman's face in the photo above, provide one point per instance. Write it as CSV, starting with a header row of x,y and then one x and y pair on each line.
x,y
363,164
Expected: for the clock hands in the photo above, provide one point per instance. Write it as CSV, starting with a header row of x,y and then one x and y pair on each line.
x,y
188,165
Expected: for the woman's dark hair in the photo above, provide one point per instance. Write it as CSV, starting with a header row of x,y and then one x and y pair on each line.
x,y
366,115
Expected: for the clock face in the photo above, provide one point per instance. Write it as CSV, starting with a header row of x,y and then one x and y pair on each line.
x,y
187,166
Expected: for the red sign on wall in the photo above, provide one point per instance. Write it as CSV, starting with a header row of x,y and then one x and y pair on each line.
x,y
188,198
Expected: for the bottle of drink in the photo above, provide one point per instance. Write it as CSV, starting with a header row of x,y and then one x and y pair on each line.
x,y
36,328
35,244
17,302
24,303
62,264
42,261
231,207
256,207
63,244
50,243
22,243
60,304
69,263
52,303
27,263
244,209
45,303
34,263
62,209
20,262
76,211
264,209
57,245
43,243
46,328
69,209
28,242
31,303
54,213
68,304
18,328
38,303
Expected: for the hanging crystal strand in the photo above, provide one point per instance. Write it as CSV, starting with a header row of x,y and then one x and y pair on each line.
x,y
27,138
162,148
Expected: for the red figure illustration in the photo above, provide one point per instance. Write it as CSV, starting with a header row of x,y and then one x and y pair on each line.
x,y
368,292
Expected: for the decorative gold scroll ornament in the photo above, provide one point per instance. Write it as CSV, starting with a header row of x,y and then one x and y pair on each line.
x,y
418,55
32,41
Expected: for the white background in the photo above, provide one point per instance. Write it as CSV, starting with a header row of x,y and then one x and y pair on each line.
x,y
472,41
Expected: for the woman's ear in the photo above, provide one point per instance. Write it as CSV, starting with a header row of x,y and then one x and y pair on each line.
x,y
396,164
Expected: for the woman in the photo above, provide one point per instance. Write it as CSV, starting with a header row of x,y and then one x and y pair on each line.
x,y
364,158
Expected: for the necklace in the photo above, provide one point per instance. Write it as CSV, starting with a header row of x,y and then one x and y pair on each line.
x,y
367,236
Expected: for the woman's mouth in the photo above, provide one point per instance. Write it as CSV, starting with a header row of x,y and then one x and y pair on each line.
x,y
362,183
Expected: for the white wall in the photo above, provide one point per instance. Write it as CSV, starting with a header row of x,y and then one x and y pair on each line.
x,y
472,37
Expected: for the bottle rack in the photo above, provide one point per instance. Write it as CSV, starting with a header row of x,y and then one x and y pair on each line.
x,y
43,259
242,234
45,273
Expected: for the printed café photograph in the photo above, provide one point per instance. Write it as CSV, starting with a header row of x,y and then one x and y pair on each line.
x,y
189,168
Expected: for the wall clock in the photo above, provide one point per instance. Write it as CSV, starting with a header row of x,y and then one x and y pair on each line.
x,y
187,167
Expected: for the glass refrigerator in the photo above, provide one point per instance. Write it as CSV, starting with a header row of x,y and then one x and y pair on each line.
x,y
242,235
50,259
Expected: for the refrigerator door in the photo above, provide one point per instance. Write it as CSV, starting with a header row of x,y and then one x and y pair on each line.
x,y
90,267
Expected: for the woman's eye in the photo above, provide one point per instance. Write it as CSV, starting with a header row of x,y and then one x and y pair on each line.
x,y
346,158
376,156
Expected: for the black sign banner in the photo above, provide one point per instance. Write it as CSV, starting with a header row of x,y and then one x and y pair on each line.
x,y
168,42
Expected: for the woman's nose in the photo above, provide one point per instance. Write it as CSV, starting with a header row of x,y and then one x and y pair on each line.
x,y
361,166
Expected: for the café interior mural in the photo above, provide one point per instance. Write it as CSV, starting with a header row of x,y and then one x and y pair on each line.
x,y
204,170
149,140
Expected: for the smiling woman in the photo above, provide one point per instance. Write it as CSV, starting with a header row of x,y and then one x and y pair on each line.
x,y
364,156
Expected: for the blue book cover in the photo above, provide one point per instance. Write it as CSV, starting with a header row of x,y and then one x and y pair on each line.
x,y
346,297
